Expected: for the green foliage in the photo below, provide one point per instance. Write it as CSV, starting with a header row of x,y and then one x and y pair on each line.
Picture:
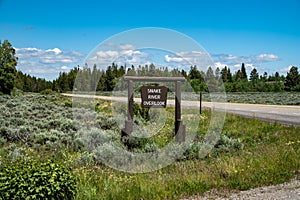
x,y
36,120
229,145
254,75
8,63
292,82
224,145
275,98
142,144
27,83
36,180
244,73
14,153
141,112
42,127
46,91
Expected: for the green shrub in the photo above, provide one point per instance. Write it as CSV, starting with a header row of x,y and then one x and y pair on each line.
x,y
36,180
92,138
137,143
228,145
141,112
46,91
14,153
2,141
105,122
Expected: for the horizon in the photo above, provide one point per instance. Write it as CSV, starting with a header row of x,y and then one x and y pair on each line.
x,y
263,35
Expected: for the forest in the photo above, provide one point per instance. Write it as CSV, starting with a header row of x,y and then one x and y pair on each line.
x,y
236,82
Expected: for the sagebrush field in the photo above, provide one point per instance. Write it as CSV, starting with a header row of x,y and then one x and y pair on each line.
x,y
38,132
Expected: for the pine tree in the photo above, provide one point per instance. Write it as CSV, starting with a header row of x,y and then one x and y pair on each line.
x,y
217,73
209,73
229,75
254,75
224,74
244,73
238,75
292,79
8,63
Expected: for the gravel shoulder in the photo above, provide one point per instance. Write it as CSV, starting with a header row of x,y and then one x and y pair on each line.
x,y
284,191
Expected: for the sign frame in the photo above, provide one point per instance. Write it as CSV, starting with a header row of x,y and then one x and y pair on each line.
x,y
179,126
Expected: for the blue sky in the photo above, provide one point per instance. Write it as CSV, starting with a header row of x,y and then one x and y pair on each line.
x,y
53,36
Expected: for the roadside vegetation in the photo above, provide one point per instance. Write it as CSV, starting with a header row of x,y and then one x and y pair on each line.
x,y
272,98
38,132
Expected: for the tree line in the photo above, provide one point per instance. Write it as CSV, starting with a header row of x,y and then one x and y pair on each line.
x,y
94,79
105,80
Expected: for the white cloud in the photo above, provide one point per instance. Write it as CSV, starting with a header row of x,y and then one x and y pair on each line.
x,y
173,59
267,57
233,59
107,54
65,68
192,57
122,54
55,51
126,47
286,69
219,65
46,63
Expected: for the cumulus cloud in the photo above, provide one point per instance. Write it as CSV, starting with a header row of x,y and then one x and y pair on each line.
x,y
126,47
230,60
65,68
258,61
56,51
267,57
219,65
286,69
186,57
233,59
122,54
173,59
182,60
46,63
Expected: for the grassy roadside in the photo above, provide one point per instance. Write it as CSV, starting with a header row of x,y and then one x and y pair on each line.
x,y
37,127
271,155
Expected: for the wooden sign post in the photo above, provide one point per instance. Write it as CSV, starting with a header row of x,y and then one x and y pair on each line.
x,y
155,97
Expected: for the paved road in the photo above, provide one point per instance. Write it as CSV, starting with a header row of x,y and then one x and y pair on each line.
x,y
288,115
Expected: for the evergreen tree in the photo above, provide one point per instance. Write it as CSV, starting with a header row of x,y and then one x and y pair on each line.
x,y
8,63
244,73
229,75
254,75
94,78
194,73
238,75
109,81
224,74
217,73
292,79
209,73
277,77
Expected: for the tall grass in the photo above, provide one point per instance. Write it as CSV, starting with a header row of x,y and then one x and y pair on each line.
x,y
271,155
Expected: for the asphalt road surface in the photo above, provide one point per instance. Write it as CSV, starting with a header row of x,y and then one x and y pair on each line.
x,y
288,115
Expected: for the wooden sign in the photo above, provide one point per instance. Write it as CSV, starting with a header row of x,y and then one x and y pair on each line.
x,y
154,96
